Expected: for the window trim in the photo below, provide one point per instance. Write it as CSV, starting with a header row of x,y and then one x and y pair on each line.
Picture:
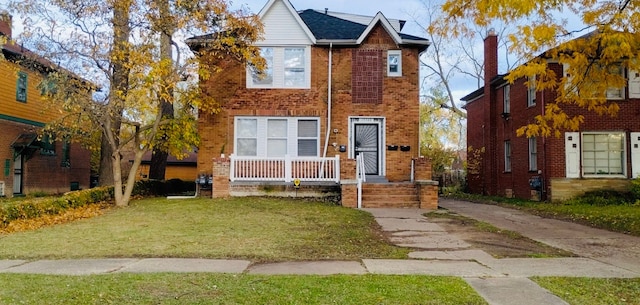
x,y
278,69
506,99
623,160
531,91
22,87
507,156
533,154
261,135
397,53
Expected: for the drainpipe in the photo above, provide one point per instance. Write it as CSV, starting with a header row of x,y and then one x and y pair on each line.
x,y
326,138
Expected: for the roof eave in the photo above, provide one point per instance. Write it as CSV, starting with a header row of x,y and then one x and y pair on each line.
x,y
385,23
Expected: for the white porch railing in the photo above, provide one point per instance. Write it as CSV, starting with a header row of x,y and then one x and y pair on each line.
x,y
360,177
285,169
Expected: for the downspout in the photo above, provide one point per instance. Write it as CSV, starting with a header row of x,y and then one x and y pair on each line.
x,y
543,191
329,79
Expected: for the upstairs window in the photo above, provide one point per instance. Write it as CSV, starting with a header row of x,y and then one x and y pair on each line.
x,y
531,92
288,67
506,92
21,87
394,63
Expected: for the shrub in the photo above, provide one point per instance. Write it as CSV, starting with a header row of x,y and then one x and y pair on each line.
x,y
36,207
635,188
606,197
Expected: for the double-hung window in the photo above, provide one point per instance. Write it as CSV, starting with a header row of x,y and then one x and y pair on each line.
x,y
507,156
394,63
21,87
531,91
285,67
533,154
276,137
603,154
506,97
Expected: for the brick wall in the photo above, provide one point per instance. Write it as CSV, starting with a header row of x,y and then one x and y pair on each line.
x,y
42,173
399,106
551,150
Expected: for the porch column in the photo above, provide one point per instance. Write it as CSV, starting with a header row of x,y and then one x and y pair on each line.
x,y
348,183
221,172
427,188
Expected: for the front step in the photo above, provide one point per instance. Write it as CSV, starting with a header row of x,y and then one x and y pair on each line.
x,y
390,195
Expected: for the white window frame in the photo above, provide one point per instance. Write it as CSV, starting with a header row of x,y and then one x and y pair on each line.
x,y
506,96
278,69
585,150
398,54
533,154
262,134
531,91
507,156
612,93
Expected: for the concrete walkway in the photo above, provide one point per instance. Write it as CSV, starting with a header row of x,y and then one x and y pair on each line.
x,y
601,254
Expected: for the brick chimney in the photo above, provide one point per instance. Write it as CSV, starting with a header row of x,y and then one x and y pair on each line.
x,y
490,56
5,24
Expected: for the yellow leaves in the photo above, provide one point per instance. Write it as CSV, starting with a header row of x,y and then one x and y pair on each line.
x,y
21,225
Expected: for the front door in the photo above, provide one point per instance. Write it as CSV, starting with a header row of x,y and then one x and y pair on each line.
x,y
367,143
17,175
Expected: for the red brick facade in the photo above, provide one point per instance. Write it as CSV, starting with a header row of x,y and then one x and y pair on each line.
x,y
398,104
489,128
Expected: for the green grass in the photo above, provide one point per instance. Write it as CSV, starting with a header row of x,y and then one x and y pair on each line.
x,y
618,218
234,289
590,291
257,229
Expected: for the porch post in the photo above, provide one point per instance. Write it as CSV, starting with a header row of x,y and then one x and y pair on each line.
x,y
221,172
287,168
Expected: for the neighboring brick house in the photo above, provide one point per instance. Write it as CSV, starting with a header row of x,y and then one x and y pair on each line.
x,y
30,164
604,154
335,85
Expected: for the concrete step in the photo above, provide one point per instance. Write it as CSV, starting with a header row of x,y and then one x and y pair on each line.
x,y
389,195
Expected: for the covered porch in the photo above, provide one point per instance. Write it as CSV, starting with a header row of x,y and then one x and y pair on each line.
x,y
340,180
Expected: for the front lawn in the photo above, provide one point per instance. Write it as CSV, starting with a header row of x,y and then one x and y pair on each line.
x,y
201,288
590,291
257,229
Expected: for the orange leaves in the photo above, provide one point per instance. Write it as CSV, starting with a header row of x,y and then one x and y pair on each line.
x,y
20,225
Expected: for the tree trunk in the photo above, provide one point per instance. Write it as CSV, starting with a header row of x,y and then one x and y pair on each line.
x,y
105,175
118,91
158,166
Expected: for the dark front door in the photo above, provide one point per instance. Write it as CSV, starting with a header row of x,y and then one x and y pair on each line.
x,y
367,144
17,175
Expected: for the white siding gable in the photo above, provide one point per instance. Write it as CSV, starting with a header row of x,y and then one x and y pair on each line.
x,y
282,28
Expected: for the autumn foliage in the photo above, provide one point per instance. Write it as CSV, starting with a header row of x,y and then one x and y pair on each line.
x,y
595,41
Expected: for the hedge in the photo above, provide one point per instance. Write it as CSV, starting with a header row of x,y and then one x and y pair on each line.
x,y
35,207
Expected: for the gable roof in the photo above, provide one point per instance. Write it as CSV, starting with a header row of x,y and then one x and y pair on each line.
x,y
328,28
325,28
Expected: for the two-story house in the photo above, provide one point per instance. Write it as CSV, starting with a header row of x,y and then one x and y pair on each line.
x,y
336,86
603,154
31,163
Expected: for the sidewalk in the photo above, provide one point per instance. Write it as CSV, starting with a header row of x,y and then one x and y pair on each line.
x,y
500,281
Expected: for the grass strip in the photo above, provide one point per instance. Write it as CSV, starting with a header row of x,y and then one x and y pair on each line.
x,y
593,291
203,288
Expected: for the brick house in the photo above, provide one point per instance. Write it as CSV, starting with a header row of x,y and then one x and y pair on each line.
x,y
29,163
336,86
604,154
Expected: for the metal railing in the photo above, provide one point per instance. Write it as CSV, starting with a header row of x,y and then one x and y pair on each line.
x,y
361,177
285,169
